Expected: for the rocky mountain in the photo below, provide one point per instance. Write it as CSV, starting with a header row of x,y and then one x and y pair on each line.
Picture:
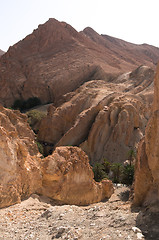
x,y
56,59
1,52
132,54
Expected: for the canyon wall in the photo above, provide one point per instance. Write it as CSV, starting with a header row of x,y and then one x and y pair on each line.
x,y
146,188
105,119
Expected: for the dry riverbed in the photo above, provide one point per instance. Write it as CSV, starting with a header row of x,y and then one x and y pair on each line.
x,y
41,219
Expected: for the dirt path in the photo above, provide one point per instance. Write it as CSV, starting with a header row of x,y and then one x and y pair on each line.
x,y
36,218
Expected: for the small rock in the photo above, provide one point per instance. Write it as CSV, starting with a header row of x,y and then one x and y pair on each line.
x,y
140,236
136,230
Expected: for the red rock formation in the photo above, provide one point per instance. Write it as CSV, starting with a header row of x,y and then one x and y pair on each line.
x,y
55,59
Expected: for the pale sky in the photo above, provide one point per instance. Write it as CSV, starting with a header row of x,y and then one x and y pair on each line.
x,y
136,21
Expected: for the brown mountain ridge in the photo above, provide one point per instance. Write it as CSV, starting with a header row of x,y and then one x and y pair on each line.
x,y
1,52
56,59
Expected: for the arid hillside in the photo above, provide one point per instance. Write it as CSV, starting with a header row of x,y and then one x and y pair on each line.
x,y
1,52
56,59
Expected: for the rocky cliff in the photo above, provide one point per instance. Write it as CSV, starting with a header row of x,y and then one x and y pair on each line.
x,y
19,165
106,119
65,175
56,55
146,177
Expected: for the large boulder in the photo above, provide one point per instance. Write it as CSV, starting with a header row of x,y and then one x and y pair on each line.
x,y
19,164
65,175
68,177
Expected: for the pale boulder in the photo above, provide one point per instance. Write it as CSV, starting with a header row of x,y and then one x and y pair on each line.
x,y
68,177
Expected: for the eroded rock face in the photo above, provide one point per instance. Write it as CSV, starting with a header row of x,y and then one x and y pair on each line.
x,y
19,165
65,175
105,119
147,187
68,177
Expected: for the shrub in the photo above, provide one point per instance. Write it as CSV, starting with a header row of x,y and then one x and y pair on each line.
x,y
121,174
116,169
18,104
35,116
128,174
106,166
34,119
99,172
40,147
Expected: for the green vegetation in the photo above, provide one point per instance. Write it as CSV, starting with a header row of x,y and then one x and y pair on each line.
x,y
115,171
22,105
99,172
131,155
106,166
128,174
40,147
34,117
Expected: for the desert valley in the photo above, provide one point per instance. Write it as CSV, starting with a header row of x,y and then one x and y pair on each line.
x,y
79,144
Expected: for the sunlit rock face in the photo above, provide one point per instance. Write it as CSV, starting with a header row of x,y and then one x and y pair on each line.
x,y
106,119
147,168
68,177
19,165
65,175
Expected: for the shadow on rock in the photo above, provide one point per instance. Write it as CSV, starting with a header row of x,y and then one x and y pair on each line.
x,y
148,222
124,196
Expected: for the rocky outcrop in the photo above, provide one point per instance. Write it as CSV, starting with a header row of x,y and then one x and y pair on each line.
x,y
19,165
65,175
68,177
146,190
105,119
56,55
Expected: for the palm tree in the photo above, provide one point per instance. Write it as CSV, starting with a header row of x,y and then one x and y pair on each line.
x,y
131,155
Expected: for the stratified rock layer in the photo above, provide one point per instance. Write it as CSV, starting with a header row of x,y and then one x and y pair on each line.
x,y
56,59
105,119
